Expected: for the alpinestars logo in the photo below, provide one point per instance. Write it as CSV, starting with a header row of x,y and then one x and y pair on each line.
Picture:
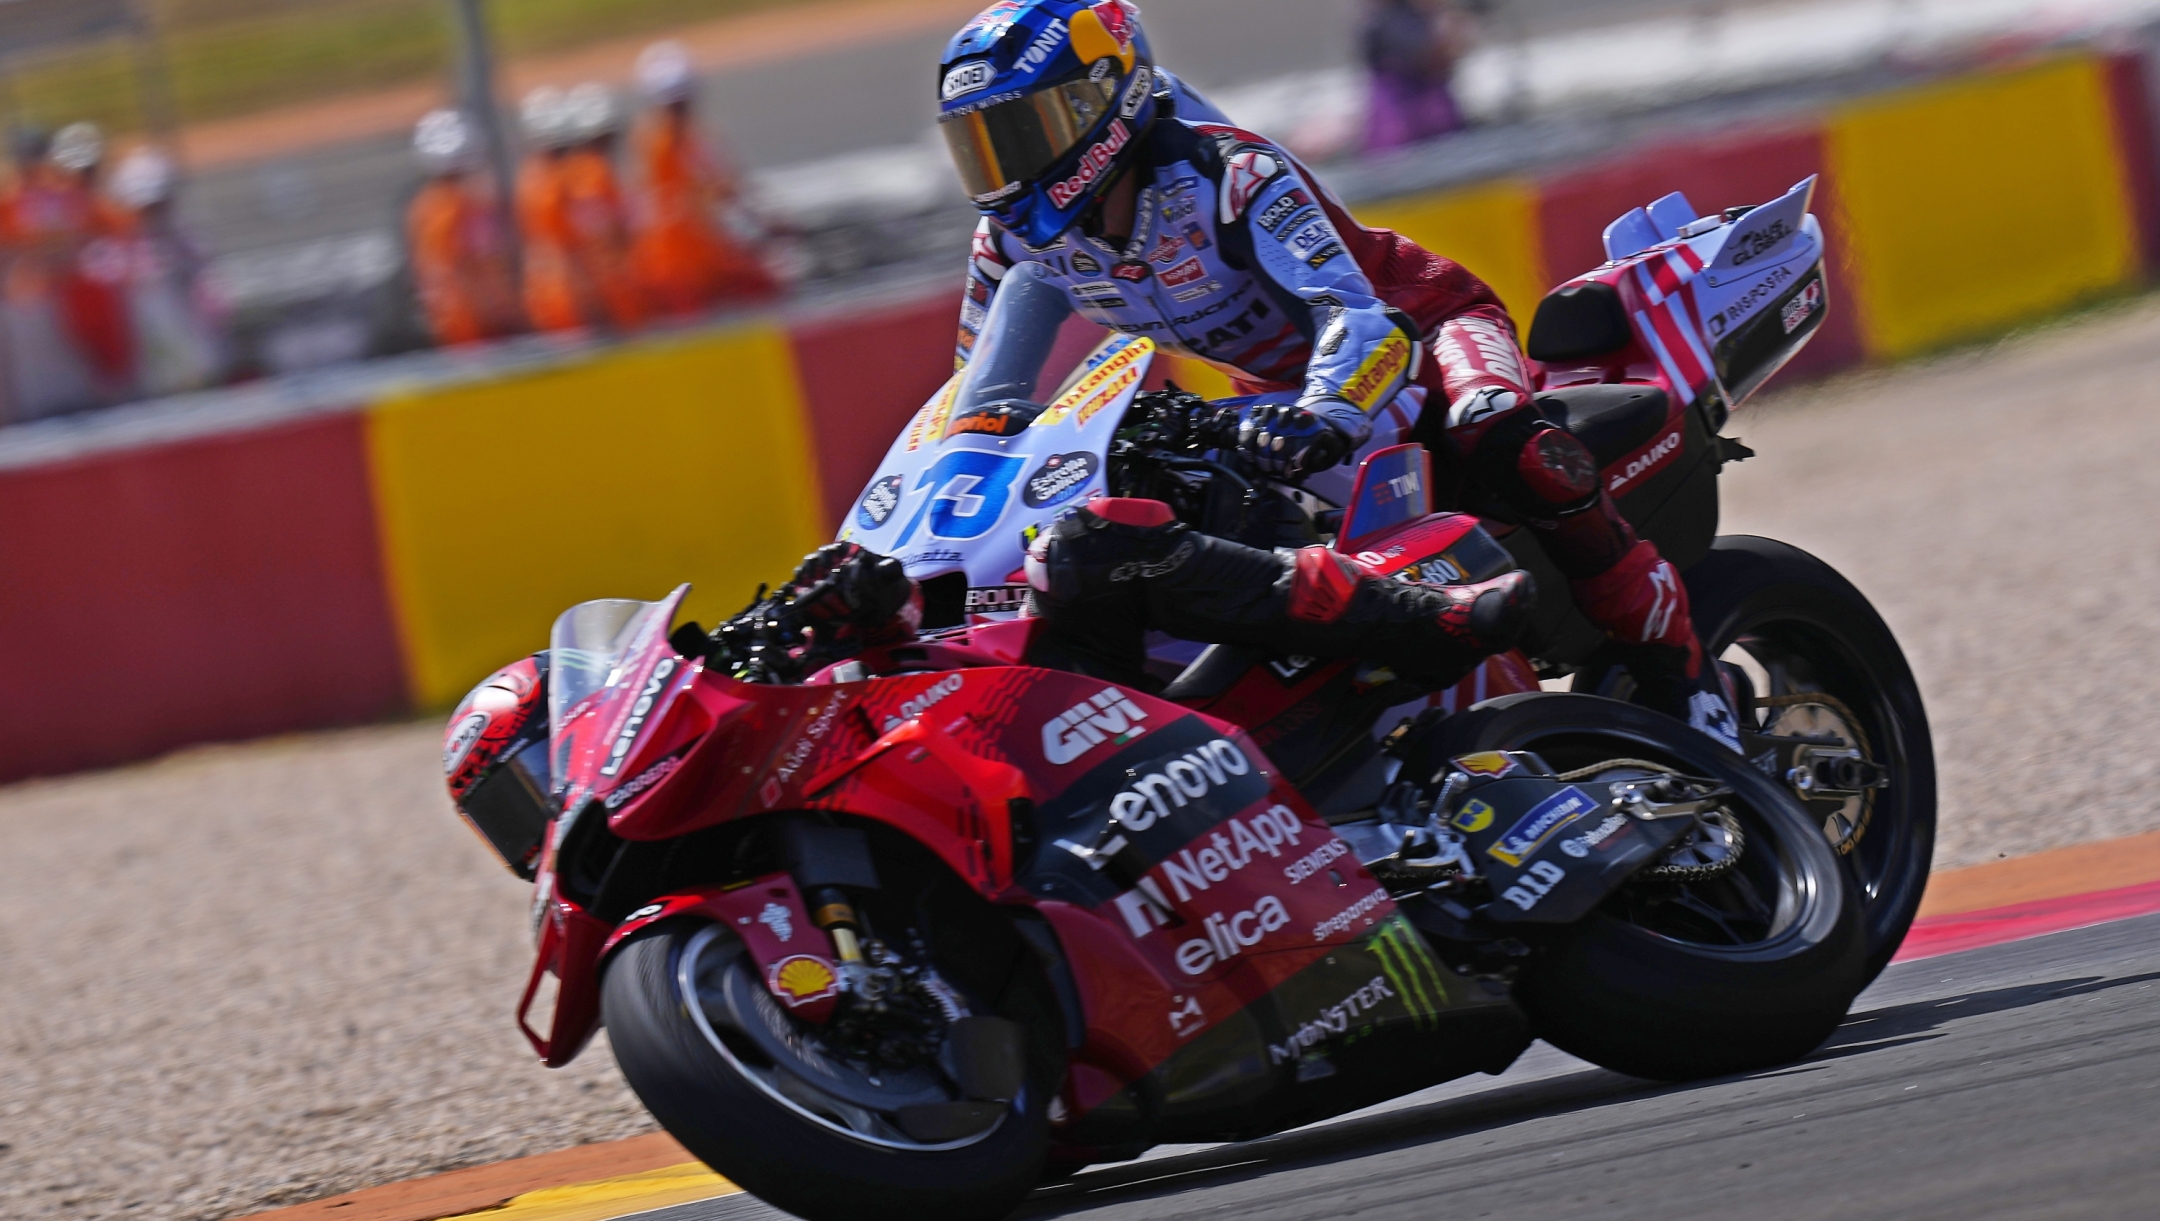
x,y
1092,165
1109,716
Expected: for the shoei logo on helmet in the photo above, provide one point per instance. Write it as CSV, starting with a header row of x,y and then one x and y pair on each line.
x,y
967,78
1093,164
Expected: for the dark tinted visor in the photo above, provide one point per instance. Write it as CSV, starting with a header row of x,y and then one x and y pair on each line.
x,y
1014,142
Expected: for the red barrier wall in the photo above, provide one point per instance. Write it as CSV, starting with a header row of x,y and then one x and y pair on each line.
x,y
1753,168
863,376
2131,102
224,587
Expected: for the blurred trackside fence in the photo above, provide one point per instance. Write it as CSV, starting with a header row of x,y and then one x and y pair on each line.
x,y
331,550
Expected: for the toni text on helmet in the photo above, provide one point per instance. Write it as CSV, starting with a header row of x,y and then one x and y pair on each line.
x,y
1042,102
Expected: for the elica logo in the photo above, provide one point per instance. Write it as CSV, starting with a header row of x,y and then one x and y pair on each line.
x,y
915,706
1181,781
639,711
1658,453
965,79
1269,833
1109,716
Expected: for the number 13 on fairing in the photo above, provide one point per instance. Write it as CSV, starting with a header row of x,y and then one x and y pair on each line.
x,y
968,493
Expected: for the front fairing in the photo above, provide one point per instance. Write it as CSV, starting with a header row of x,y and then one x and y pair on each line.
x,y
971,502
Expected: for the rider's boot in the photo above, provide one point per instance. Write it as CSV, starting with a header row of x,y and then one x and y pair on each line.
x,y
1636,597
1623,586
1107,573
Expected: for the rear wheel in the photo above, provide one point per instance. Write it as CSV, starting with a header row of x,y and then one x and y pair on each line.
x,y
1827,671
818,1123
1713,962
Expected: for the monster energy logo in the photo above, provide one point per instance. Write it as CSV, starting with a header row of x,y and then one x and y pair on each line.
x,y
1410,967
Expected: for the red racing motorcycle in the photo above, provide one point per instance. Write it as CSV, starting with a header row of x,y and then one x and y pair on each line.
x,y
901,931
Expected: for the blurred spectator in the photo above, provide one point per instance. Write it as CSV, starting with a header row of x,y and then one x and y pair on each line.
x,y
177,320
696,243
93,274
593,198
47,218
556,298
1411,47
460,255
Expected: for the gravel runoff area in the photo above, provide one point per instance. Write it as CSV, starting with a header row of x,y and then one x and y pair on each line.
x,y
252,975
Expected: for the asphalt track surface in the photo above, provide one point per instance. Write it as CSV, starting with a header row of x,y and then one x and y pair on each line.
x,y
2016,1081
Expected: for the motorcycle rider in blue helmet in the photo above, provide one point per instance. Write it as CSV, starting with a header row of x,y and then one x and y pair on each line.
x,y
1160,218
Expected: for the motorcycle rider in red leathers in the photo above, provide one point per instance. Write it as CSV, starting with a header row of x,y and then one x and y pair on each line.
x,y
1160,218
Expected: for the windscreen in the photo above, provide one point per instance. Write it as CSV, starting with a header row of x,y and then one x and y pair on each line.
x,y
1015,342
587,649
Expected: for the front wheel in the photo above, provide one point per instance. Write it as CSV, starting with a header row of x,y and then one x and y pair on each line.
x,y
798,1114
1742,955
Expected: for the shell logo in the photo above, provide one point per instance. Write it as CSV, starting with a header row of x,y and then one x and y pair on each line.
x,y
1486,763
801,978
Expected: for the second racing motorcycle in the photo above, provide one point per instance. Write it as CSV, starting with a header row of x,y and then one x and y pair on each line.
x,y
901,930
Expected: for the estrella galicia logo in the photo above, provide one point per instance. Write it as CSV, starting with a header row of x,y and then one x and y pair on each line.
x,y
878,503
1059,479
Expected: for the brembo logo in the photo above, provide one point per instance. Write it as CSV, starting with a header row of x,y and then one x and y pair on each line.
x,y
638,714
1658,453
1111,714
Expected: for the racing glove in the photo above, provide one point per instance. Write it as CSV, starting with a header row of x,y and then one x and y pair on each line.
x,y
1291,439
845,585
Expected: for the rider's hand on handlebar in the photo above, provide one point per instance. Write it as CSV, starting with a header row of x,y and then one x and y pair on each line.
x,y
845,584
1285,439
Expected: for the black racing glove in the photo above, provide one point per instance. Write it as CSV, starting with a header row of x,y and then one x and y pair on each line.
x,y
1285,439
845,584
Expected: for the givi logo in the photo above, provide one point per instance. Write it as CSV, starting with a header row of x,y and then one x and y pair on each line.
x,y
1111,714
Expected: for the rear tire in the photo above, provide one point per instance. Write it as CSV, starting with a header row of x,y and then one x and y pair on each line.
x,y
1665,980
779,1150
1804,624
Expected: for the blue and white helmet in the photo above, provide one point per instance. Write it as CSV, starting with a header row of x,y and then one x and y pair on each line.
x,y
1042,102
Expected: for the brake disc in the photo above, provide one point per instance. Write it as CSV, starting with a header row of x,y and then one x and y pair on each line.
x,y
1822,718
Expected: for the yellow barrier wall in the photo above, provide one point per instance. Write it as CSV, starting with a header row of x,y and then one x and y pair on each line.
x,y
1491,228
1975,203
503,503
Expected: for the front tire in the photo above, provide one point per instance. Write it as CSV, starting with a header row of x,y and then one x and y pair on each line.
x,y
707,1050
1674,980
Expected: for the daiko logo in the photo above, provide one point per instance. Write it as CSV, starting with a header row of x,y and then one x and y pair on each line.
x,y
1658,453
1109,716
